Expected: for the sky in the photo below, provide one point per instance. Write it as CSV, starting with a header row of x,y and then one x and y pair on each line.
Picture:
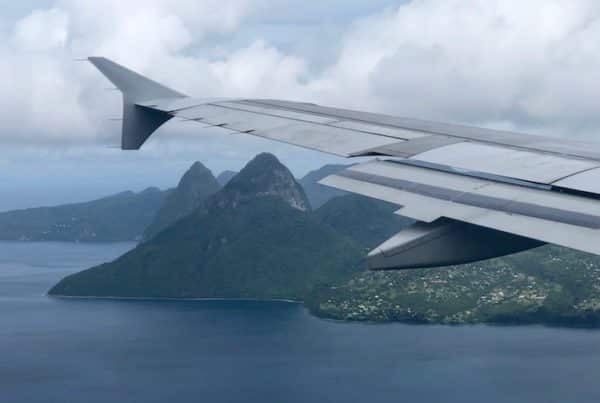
x,y
526,66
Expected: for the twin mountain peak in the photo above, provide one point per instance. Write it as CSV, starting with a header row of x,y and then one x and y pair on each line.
x,y
200,190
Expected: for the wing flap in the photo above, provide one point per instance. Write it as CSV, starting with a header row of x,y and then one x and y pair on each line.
x,y
370,128
312,132
427,195
524,165
587,181
281,113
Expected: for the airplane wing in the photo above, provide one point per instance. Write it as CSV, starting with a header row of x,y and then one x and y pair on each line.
x,y
475,193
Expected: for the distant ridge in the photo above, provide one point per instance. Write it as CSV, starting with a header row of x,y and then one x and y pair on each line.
x,y
225,176
121,217
318,194
367,221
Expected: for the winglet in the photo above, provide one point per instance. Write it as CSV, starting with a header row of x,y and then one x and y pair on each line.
x,y
139,122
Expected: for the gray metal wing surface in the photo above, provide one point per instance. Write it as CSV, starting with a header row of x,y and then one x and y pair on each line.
x,y
476,193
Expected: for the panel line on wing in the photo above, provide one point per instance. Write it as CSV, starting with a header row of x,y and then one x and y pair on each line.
x,y
327,121
477,200
512,140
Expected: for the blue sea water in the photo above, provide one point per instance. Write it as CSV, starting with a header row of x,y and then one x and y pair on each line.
x,y
54,350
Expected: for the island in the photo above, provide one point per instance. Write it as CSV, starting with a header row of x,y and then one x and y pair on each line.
x,y
259,237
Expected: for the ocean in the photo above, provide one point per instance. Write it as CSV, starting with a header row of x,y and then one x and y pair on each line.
x,y
70,350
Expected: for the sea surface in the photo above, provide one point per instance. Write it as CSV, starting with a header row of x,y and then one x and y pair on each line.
x,y
54,350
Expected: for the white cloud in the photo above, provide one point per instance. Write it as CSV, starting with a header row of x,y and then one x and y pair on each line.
x,y
260,70
533,64
507,63
42,30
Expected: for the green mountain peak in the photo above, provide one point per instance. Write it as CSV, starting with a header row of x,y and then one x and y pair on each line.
x,y
262,176
196,185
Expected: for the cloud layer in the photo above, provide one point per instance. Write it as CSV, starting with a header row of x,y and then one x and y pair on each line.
x,y
528,65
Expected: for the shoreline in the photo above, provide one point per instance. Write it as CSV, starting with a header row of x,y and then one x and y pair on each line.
x,y
574,326
166,299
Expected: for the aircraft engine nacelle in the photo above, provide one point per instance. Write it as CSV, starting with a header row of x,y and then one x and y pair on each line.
x,y
442,243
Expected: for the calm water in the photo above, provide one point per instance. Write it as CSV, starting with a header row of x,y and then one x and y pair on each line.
x,y
98,351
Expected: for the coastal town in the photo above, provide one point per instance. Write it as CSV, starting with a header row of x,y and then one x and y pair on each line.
x,y
543,286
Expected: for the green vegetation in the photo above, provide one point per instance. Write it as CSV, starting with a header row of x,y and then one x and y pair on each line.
x,y
367,221
549,285
196,185
263,176
262,249
122,217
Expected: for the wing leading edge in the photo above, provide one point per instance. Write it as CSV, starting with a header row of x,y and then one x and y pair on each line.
x,y
476,193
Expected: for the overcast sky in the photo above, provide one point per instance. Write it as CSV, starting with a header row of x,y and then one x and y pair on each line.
x,y
528,66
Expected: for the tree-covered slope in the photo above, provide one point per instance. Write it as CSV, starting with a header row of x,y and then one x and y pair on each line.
x,y
367,221
263,176
262,249
196,185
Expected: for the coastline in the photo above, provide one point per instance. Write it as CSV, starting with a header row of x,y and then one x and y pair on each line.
x,y
515,322
166,299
